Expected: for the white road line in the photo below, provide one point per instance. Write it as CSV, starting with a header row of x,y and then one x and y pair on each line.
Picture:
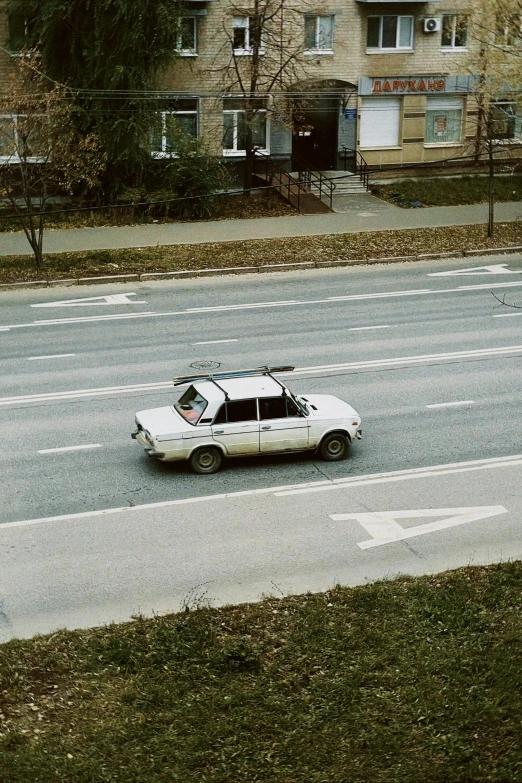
x,y
451,404
366,328
506,315
215,342
373,364
71,448
52,356
260,305
5,328
376,478
406,475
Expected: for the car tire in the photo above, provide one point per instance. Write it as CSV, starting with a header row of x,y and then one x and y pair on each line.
x,y
334,447
208,459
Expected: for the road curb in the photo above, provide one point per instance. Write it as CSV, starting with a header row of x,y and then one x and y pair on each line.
x,y
263,268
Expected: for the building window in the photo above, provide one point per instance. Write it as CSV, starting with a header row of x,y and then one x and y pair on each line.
x,y
444,120
505,125
508,31
235,128
247,31
319,33
23,138
454,31
21,32
390,32
187,36
380,122
181,119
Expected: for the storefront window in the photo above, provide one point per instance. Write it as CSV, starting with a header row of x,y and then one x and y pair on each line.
x,y
380,122
505,126
444,120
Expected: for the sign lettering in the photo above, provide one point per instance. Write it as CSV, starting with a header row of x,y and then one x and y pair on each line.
x,y
398,86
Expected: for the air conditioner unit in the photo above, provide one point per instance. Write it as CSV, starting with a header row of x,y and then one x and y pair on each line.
x,y
432,24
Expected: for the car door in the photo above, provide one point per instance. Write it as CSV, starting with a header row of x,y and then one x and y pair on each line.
x,y
236,427
282,426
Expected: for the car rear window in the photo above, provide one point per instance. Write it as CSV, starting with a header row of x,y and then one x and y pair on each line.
x,y
191,405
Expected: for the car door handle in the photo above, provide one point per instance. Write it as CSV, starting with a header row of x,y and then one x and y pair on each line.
x,y
268,427
219,432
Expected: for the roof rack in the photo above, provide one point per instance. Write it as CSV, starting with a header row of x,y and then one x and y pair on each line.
x,y
181,379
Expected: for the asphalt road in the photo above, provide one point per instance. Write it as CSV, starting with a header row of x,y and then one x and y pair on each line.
x,y
432,363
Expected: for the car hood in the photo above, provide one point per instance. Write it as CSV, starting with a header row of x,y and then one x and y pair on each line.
x,y
328,406
162,421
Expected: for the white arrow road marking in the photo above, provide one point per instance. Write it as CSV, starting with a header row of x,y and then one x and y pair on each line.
x,y
384,528
490,269
110,299
253,306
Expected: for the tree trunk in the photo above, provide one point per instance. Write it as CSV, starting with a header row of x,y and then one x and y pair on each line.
x,y
491,210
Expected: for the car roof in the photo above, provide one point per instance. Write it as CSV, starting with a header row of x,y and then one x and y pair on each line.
x,y
240,388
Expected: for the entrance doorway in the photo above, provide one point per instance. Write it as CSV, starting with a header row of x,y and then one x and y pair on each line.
x,y
316,123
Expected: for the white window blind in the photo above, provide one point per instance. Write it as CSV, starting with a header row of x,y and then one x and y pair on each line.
x,y
380,122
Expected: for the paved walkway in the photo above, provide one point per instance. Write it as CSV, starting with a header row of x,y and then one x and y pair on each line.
x,y
368,214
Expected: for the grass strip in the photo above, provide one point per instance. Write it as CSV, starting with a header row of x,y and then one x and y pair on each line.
x,y
449,191
258,252
416,679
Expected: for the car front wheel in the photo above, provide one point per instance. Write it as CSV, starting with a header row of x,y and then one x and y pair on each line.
x,y
206,460
334,447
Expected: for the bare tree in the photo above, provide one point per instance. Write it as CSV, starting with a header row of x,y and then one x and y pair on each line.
x,y
261,59
496,63
41,153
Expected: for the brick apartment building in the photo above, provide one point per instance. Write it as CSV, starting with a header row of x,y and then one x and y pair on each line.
x,y
387,79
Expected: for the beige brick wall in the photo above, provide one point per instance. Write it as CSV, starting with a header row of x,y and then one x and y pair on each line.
x,y
206,74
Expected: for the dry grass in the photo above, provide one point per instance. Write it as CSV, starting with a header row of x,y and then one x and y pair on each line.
x,y
378,244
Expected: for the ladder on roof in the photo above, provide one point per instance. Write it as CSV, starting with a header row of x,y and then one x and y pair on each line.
x,y
215,376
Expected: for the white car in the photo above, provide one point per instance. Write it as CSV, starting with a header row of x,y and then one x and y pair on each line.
x,y
244,413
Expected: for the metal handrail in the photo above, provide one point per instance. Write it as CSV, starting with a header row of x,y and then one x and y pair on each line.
x,y
289,187
311,176
361,166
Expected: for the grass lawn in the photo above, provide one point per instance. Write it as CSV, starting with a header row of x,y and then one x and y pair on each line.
x,y
412,680
449,191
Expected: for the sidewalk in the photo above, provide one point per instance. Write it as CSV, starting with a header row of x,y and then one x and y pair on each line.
x,y
369,214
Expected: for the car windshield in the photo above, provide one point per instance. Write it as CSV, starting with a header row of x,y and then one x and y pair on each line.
x,y
191,405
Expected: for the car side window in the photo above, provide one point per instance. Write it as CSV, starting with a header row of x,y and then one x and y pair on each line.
x,y
292,408
272,408
237,410
221,415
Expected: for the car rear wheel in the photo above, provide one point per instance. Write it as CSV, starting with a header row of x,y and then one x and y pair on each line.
x,y
206,460
334,447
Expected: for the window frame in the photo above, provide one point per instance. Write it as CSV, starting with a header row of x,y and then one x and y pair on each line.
x,y
244,24
28,22
455,21
179,44
15,157
504,32
380,49
398,106
164,153
235,151
517,122
444,110
316,49
225,405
